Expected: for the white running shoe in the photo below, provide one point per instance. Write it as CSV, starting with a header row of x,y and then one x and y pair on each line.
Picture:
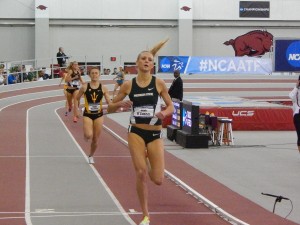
x,y
91,160
145,221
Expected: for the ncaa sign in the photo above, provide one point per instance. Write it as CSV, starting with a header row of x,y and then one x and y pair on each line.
x,y
164,64
293,54
286,55
168,64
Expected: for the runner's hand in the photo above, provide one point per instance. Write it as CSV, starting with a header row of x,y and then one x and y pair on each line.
x,y
160,115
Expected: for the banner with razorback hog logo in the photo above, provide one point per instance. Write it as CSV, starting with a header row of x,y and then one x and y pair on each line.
x,y
253,43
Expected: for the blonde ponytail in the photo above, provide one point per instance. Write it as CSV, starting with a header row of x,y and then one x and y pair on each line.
x,y
155,48
158,46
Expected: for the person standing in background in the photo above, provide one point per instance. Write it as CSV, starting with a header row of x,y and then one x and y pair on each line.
x,y
61,57
32,74
2,77
295,96
12,78
176,88
115,71
119,80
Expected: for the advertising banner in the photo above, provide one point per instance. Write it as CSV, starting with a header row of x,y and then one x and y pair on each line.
x,y
255,118
257,9
214,65
286,55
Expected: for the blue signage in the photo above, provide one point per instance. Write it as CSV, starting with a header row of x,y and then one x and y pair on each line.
x,y
287,55
190,117
214,65
168,64
177,113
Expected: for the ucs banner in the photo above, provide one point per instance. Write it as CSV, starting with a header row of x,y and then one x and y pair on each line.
x,y
214,65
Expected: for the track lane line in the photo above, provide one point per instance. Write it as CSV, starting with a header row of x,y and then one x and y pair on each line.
x,y
27,179
219,211
115,200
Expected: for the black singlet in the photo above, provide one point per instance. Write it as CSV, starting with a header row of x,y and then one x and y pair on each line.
x,y
146,102
93,100
75,83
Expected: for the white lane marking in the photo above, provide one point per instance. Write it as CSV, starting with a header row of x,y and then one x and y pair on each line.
x,y
31,87
63,156
27,197
27,173
11,218
113,197
82,214
211,205
44,211
28,100
32,93
48,211
27,179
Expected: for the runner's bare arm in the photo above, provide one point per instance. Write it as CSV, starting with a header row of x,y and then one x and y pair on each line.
x,y
81,91
163,92
118,100
106,94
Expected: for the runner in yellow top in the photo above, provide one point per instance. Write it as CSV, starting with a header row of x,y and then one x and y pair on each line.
x,y
93,92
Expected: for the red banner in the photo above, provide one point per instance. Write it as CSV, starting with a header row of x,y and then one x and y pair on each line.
x,y
255,118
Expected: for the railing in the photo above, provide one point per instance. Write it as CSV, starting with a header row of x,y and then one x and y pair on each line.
x,y
51,67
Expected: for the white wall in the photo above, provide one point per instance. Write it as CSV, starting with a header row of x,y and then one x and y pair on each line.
x,y
229,10
17,9
16,43
114,9
144,9
77,26
107,42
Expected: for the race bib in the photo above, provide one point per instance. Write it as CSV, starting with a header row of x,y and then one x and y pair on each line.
x,y
143,112
75,83
94,107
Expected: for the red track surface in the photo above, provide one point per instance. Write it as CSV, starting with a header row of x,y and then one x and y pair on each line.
x,y
170,198
119,175
13,160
